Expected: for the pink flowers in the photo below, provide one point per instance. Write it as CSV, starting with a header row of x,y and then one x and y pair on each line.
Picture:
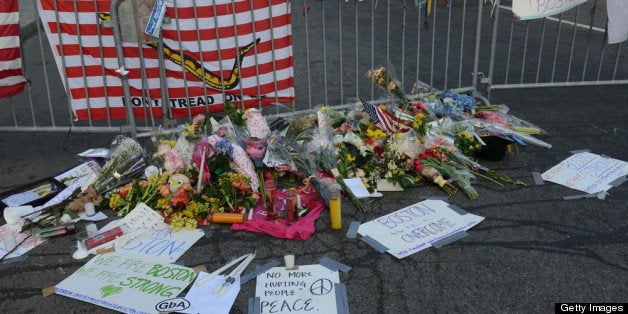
x,y
173,161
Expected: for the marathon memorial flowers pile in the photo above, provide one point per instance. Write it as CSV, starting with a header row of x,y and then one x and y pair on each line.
x,y
240,168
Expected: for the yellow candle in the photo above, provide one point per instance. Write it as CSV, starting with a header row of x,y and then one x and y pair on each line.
x,y
334,209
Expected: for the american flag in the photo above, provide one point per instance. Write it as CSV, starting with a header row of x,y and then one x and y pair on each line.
x,y
241,46
12,80
390,121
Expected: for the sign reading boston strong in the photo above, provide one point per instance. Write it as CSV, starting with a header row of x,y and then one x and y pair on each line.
x,y
126,283
417,227
229,51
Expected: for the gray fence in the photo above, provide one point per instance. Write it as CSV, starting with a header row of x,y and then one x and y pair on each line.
x,y
469,46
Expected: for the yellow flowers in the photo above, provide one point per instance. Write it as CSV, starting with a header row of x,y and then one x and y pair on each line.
x,y
418,120
375,133
350,158
116,201
180,221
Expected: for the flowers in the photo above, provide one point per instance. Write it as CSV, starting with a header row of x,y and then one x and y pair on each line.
x,y
381,77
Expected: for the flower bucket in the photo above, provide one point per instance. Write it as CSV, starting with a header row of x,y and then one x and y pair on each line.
x,y
495,148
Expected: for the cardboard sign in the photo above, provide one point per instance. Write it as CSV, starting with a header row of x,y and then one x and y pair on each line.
x,y
535,9
308,289
126,283
417,227
587,172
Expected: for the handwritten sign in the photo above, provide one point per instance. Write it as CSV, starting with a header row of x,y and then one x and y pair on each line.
x,y
534,9
416,227
8,230
150,237
308,289
126,283
163,244
587,172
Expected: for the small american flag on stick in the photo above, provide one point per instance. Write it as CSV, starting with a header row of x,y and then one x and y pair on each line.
x,y
389,120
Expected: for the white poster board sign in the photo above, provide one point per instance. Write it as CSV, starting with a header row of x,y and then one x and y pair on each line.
x,y
151,237
126,283
162,244
535,9
587,172
417,227
308,289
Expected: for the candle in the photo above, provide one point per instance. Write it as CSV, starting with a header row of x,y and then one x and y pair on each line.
x,y
289,260
291,206
227,218
334,209
91,229
90,209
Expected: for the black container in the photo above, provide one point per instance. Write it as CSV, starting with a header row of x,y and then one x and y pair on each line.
x,y
495,148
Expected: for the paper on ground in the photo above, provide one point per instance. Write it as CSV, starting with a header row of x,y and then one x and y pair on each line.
x,y
357,187
203,300
126,283
587,172
8,230
417,227
150,236
308,289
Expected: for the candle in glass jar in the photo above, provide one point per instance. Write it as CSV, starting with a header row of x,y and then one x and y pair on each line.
x,y
291,206
334,209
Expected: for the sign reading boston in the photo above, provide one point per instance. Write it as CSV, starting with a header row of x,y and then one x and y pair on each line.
x,y
126,283
416,227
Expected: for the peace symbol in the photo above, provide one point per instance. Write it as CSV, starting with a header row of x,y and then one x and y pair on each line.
x,y
321,286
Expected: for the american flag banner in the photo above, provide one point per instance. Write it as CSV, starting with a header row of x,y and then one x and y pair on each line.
x,y
12,80
388,120
221,50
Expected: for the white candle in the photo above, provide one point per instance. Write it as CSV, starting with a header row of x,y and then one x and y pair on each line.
x,y
90,209
91,229
289,260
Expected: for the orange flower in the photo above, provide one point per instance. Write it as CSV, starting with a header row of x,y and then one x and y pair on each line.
x,y
180,198
165,190
125,189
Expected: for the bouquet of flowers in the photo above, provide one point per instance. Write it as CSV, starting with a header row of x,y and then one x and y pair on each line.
x,y
383,79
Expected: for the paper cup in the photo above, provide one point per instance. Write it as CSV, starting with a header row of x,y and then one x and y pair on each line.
x,y
12,215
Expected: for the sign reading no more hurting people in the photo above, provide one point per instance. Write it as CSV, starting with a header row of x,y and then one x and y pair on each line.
x,y
308,289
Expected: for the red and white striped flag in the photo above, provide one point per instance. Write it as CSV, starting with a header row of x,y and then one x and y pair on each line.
x,y
252,60
12,80
388,120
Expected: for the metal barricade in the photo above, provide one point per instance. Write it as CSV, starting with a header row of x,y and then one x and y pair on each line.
x,y
566,50
457,46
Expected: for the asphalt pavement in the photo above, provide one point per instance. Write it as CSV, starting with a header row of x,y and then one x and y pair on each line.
x,y
533,249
